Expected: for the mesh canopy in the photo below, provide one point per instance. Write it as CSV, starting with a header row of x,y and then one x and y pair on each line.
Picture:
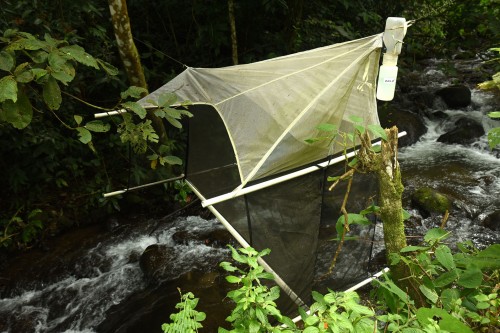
x,y
270,107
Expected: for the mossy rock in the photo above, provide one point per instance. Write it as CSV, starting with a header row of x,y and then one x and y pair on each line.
x,y
430,201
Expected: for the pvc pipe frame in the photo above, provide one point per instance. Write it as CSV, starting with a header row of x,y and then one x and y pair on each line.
x,y
110,194
279,281
277,180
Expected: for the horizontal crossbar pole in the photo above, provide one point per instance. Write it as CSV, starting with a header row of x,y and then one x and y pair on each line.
x,y
111,194
281,179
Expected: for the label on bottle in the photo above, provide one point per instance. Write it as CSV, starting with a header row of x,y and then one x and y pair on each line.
x,y
389,80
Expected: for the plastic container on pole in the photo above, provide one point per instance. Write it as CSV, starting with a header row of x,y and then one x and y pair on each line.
x,y
395,30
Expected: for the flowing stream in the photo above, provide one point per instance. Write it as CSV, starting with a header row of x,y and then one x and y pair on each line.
x,y
92,281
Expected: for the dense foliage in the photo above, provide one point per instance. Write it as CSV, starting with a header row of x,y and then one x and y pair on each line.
x,y
45,167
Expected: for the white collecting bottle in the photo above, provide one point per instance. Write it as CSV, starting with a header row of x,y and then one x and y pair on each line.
x,y
387,76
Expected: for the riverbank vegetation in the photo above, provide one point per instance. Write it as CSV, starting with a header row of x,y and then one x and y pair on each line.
x,y
54,175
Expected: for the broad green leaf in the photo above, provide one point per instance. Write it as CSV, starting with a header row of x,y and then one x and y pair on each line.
x,y
39,57
39,73
444,256
174,122
472,277
78,54
377,130
25,76
65,74
488,258
78,119
412,248
172,160
18,113
494,137
327,127
445,320
449,298
7,61
360,129
406,215
134,92
233,279
311,329
136,108
435,234
429,293
52,94
97,126
445,279
167,99
494,114
312,320
8,89
108,68
84,135
56,61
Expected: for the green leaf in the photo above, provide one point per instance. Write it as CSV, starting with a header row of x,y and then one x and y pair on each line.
x,y
406,215
39,57
18,113
84,135
39,73
174,122
378,130
449,298
66,73
134,92
494,114
78,119
8,89
429,293
78,54
7,61
355,119
472,277
52,94
445,320
56,62
444,256
327,127
311,329
360,129
97,126
108,68
167,99
172,160
435,234
233,279
494,137
412,248
445,279
136,108
352,163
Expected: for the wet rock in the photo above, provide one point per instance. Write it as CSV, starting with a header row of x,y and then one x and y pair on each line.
x,y
407,121
457,96
154,261
111,224
492,221
467,131
430,201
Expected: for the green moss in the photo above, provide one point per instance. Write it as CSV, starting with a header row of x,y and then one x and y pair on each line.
x,y
431,201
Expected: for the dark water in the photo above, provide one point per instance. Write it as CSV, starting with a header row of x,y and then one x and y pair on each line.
x,y
91,281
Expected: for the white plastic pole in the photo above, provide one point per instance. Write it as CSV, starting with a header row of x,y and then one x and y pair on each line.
x,y
110,194
277,180
353,288
279,281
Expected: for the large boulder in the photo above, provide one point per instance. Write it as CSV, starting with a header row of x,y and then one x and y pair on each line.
x,y
466,131
456,96
407,121
155,261
213,238
429,201
492,220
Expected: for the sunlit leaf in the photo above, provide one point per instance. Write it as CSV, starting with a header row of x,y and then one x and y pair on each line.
x,y
136,108
108,68
84,135
78,119
327,127
134,92
167,99
377,130
78,54
97,126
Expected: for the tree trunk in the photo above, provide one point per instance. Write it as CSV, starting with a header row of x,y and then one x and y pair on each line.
x,y
232,23
391,213
130,57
